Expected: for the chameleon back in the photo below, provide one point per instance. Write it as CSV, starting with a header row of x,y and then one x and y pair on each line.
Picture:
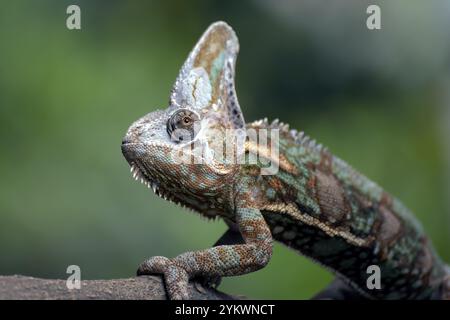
x,y
331,213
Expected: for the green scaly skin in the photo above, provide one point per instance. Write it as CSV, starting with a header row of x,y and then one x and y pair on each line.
x,y
315,204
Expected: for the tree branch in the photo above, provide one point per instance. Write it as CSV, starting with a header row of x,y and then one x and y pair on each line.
x,y
139,288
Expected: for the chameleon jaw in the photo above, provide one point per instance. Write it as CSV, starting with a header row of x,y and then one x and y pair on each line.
x,y
139,176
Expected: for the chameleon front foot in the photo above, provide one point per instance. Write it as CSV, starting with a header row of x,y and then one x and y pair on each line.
x,y
175,277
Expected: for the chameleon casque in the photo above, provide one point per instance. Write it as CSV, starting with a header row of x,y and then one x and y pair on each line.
x,y
315,204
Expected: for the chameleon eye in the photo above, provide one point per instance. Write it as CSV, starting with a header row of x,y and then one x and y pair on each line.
x,y
183,125
186,120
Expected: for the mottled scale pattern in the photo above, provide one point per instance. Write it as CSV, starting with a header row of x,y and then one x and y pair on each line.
x,y
342,199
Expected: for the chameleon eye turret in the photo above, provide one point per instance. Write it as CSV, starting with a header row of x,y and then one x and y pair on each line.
x,y
183,125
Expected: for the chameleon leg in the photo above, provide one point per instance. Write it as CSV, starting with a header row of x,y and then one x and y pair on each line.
x,y
223,260
231,236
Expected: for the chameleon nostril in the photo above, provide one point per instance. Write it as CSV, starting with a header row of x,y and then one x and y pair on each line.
x,y
125,140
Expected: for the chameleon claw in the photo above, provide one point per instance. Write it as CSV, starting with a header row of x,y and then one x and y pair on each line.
x,y
199,287
176,280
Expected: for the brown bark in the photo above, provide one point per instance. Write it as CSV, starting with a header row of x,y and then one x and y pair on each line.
x,y
139,288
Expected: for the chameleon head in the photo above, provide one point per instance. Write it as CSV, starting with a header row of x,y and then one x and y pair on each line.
x,y
171,150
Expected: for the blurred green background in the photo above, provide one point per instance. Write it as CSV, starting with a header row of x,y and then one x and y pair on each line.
x,y
378,99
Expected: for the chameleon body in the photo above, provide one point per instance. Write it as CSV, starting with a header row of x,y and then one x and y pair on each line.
x,y
315,203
